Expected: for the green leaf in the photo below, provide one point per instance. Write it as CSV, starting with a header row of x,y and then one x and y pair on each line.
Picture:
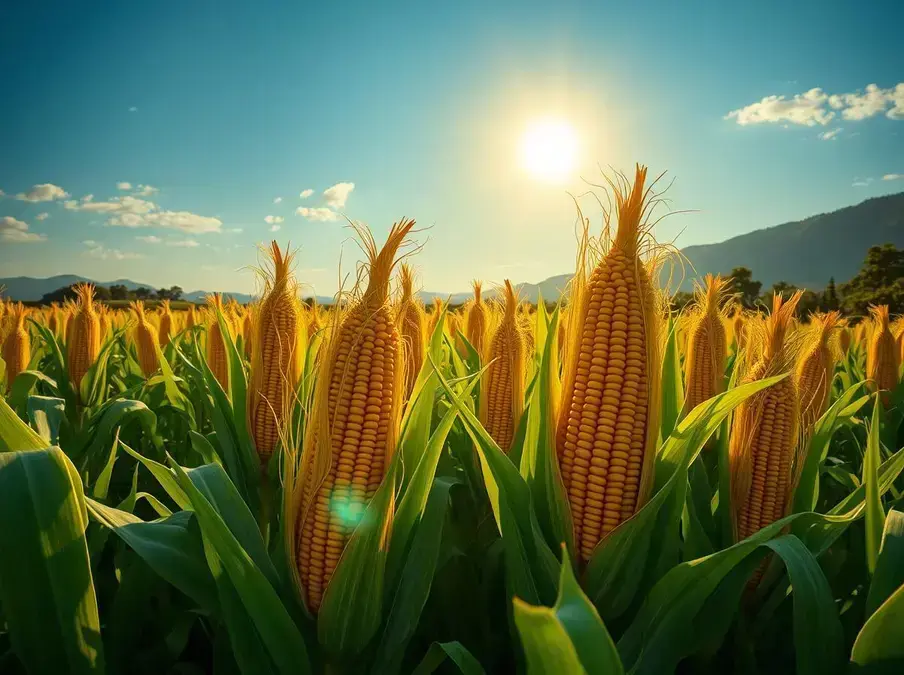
x,y
15,435
164,476
455,652
875,514
48,416
257,597
171,547
672,387
46,586
570,636
880,643
889,572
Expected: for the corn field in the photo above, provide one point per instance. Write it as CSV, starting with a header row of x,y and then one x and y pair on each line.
x,y
595,485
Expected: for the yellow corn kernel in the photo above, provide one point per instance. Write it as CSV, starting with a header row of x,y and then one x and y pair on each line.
x,y
608,419
351,434
704,364
476,320
166,324
277,360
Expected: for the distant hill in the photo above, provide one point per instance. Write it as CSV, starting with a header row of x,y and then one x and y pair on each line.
x,y
805,253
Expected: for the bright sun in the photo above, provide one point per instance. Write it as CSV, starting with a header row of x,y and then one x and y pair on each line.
x,y
549,150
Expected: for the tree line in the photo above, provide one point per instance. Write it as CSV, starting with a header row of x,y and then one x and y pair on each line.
x,y
880,281
115,292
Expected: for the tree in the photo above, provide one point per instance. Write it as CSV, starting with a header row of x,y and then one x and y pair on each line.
x,y
68,293
119,292
879,282
143,293
175,292
830,297
744,287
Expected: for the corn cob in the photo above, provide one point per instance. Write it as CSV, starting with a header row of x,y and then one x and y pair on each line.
x,y
248,330
17,343
844,339
433,318
83,335
737,325
608,420
191,317
412,329
217,359
764,435
502,387
354,424
476,320
816,368
882,354
526,326
146,340
276,361
315,319
704,365
166,323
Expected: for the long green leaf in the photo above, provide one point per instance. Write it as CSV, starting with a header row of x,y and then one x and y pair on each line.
x,y
875,514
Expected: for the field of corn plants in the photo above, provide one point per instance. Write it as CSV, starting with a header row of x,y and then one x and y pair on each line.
x,y
594,485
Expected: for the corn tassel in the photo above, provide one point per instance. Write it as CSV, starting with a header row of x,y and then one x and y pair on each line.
x,y
412,329
882,355
704,365
476,320
217,358
816,368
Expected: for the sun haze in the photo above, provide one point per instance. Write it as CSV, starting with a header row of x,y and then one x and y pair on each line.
x,y
549,150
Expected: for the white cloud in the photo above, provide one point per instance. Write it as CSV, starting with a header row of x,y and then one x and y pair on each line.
x,y
274,228
96,250
861,182
277,200
45,192
42,216
16,231
236,230
337,195
272,220
131,211
133,109
183,243
893,176
146,190
150,239
124,185
2,193
304,194
320,214
830,135
817,107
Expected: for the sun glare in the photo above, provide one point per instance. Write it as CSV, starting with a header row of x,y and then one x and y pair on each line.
x,y
549,150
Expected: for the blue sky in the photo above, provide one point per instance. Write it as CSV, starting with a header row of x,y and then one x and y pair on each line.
x,y
210,111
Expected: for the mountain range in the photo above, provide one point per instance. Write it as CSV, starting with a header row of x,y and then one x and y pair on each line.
x,y
805,253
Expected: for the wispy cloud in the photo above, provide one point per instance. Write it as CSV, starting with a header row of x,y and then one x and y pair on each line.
x,y
862,182
150,239
101,252
893,176
274,228
45,192
182,243
132,211
146,190
816,107
337,195
42,216
134,108
15,231
830,135
320,214
277,200
123,185
273,220
304,194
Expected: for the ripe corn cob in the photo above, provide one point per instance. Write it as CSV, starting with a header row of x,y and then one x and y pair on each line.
x,y
608,420
191,317
17,344
738,326
844,339
412,329
476,320
315,319
433,317
166,323
704,365
217,359
83,335
816,368
53,319
353,428
248,329
883,357
526,326
897,329
146,340
764,435
502,386
276,361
